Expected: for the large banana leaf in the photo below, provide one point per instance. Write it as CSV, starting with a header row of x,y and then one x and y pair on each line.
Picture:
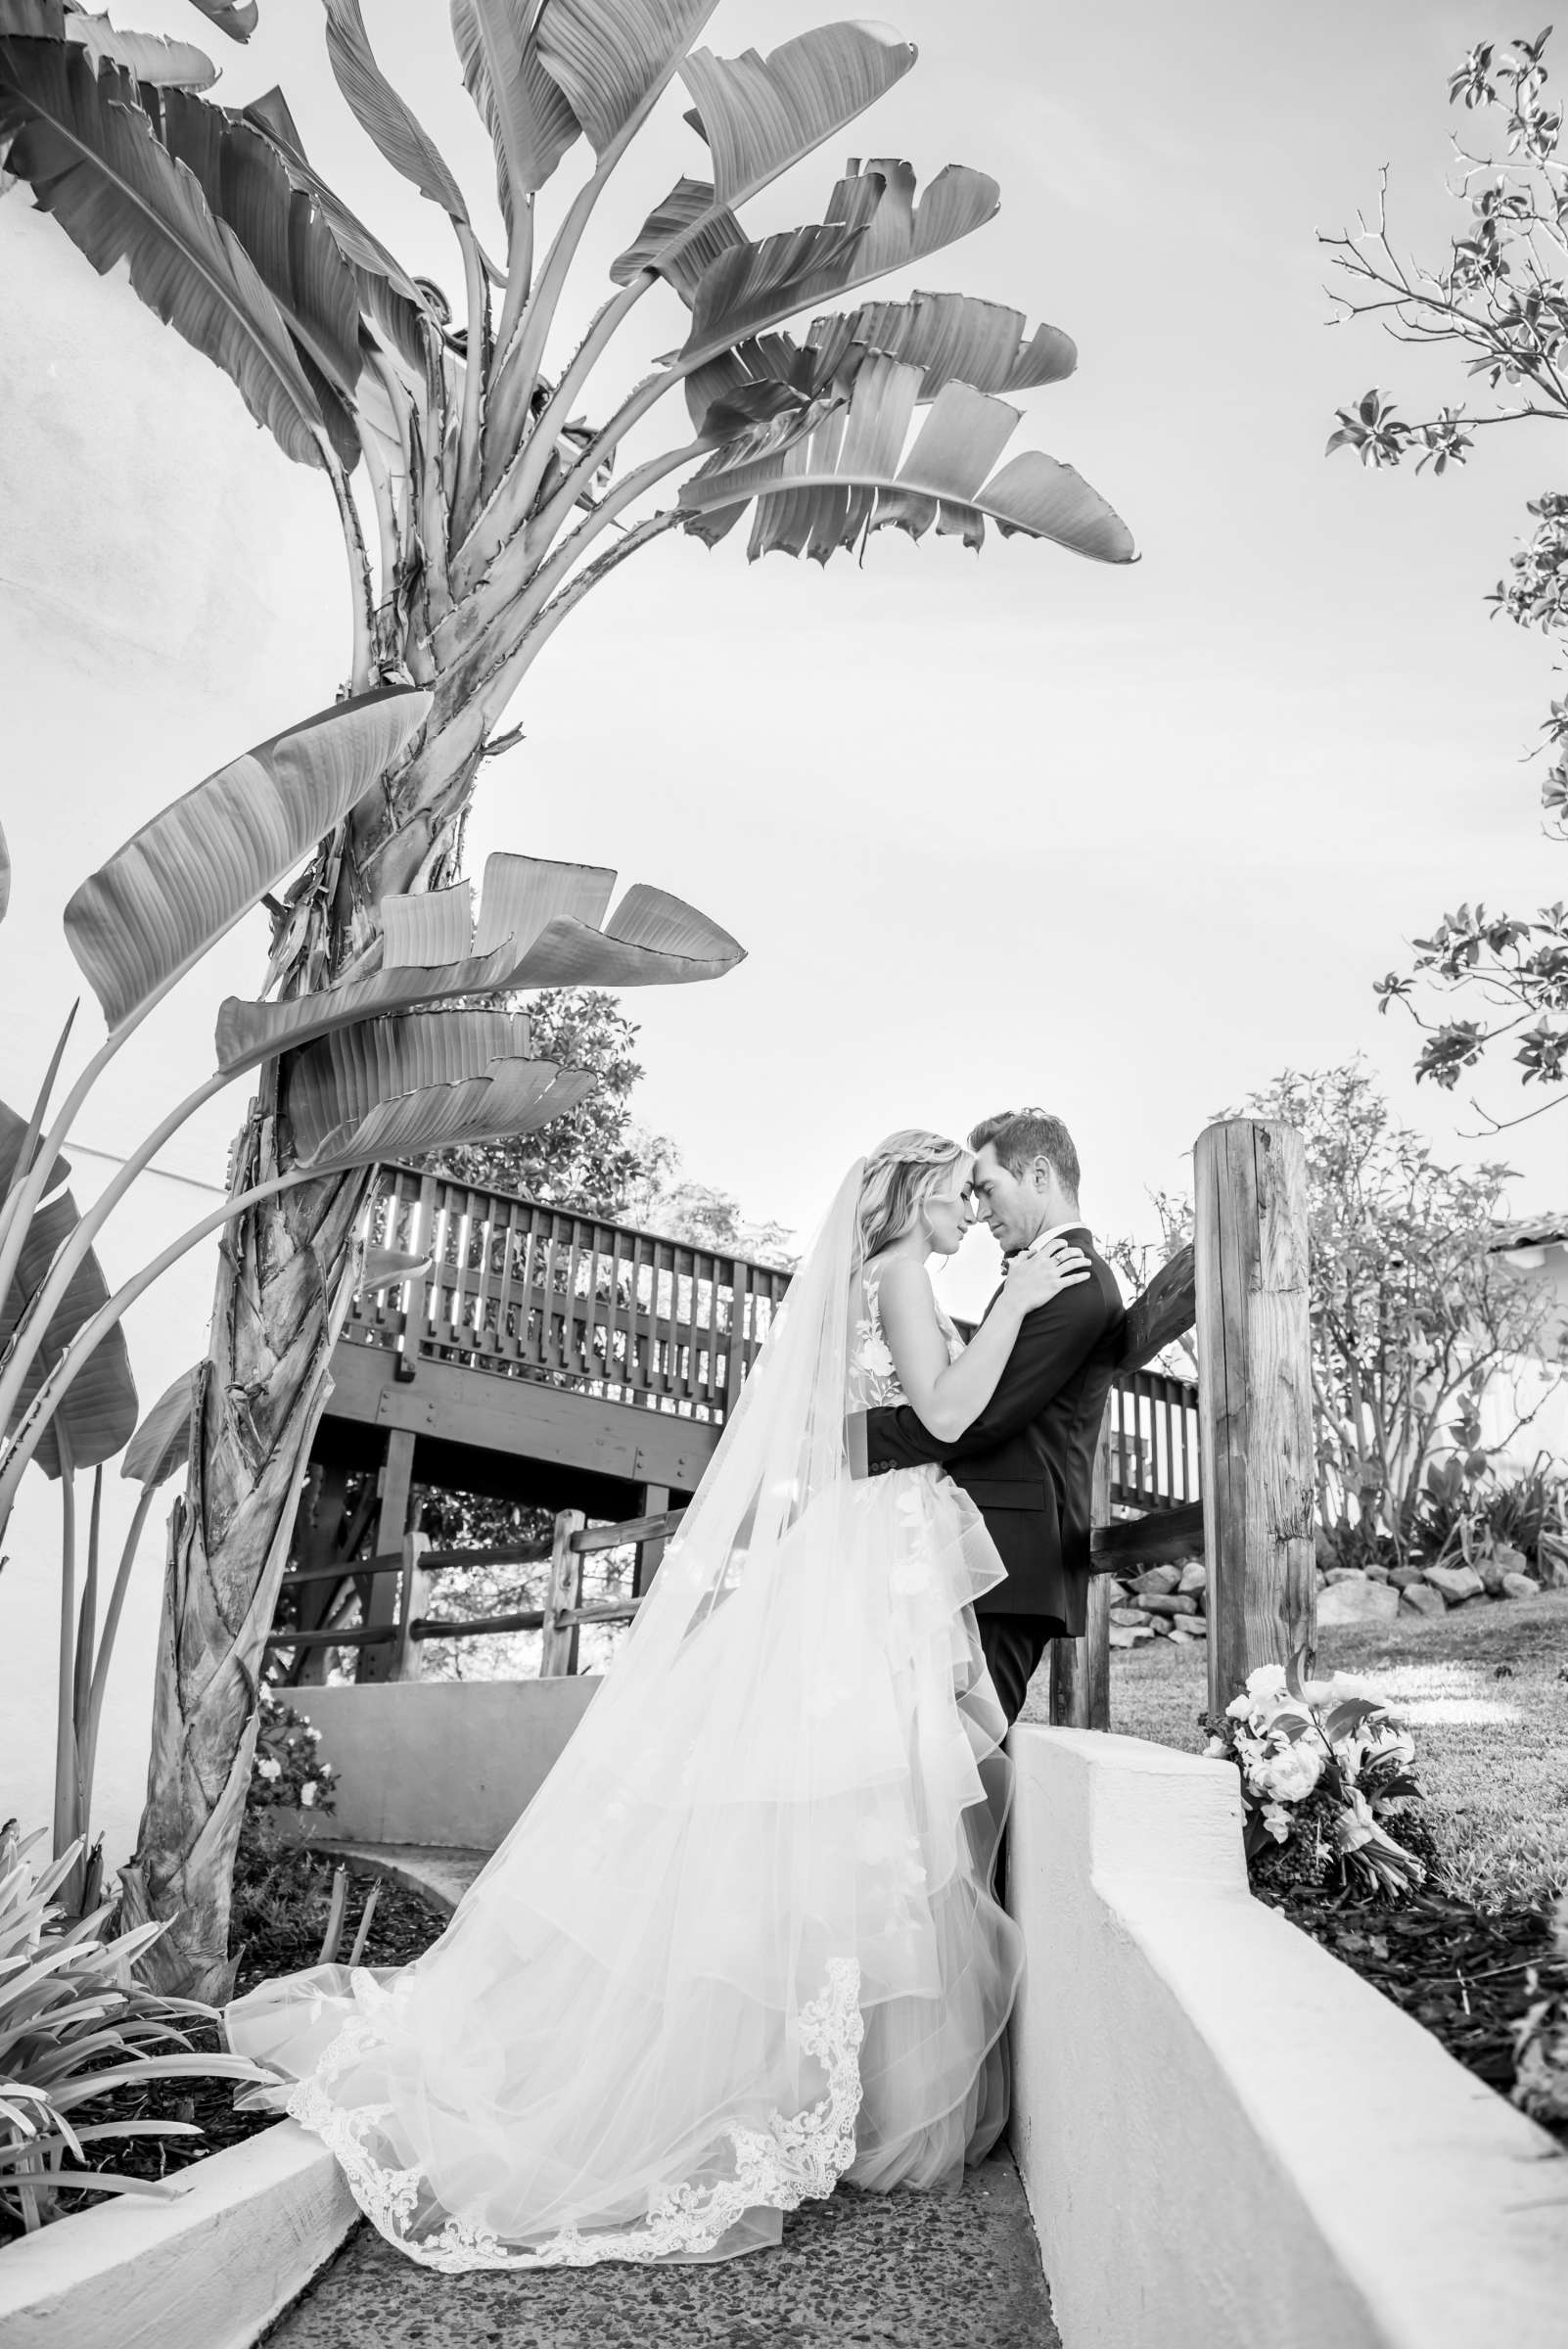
x,y
528,117
250,1033
79,137
141,921
957,337
390,298
854,474
741,296
98,1412
236,18
651,939
539,926
151,57
14,1133
681,238
952,336
282,230
160,1445
523,895
382,114
759,115
388,1088
612,58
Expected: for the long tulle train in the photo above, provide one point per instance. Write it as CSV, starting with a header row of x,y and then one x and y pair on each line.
x,y
742,1944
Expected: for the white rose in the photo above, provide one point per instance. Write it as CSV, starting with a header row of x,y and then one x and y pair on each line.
x,y
1289,1777
308,1794
268,1769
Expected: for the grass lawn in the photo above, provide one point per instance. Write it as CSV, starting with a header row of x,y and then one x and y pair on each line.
x,y
1485,1692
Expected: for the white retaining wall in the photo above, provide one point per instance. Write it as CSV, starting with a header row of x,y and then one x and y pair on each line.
x,y
1228,2139
439,1761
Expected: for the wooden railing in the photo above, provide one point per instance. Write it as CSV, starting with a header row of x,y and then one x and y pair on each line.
x,y
560,1619
533,1292
1152,1432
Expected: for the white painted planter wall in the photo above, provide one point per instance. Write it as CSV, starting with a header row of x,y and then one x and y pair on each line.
x,y
209,2270
1226,2137
439,1761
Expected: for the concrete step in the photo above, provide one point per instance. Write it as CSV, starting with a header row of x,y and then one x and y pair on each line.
x,y
442,1873
954,2270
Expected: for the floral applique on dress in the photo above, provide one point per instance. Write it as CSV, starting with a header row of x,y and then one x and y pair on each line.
x,y
873,1369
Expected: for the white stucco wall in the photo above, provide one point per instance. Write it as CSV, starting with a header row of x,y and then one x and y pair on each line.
x,y
1226,2137
440,1761
169,593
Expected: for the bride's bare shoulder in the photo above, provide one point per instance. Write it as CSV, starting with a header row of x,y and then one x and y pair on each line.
x,y
904,1283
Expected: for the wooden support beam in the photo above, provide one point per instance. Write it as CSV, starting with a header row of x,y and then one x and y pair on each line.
x,y
1165,1311
558,1653
413,1597
1254,1397
379,1600
650,1549
1080,1668
1165,1537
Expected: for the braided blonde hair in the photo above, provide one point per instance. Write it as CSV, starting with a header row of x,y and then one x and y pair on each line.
x,y
899,1172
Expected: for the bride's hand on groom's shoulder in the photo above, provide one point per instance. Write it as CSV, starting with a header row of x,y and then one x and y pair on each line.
x,y
1033,1280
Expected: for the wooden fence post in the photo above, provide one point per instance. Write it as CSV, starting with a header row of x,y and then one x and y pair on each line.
x,y
413,1596
652,1501
558,1651
1080,1668
1255,1398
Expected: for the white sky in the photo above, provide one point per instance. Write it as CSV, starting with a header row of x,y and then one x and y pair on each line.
x,y
996,829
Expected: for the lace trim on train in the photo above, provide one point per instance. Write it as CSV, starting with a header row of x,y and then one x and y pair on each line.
x,y
775,2168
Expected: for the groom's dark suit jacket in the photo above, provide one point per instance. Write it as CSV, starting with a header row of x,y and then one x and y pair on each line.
x,y
1028,1461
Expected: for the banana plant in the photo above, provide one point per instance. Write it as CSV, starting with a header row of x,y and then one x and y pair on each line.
x,y
487,478
360,1070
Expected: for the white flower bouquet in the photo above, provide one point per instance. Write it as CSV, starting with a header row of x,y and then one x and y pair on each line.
x,y
1325,1765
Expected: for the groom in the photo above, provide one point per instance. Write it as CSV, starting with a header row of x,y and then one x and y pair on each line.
x,y
1028,1461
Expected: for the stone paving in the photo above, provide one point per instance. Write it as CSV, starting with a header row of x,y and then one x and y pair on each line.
x,y
941,2271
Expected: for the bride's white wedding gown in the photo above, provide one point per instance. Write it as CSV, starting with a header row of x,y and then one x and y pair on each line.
x,y
742,1942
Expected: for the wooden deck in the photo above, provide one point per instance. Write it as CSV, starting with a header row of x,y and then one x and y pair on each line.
x,y
598,1350
540,1336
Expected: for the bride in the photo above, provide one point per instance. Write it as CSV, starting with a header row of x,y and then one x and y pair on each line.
x,y
742,1942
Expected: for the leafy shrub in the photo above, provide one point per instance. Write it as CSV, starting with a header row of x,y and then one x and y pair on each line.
x,y
74,2028
1469,1510
287,1771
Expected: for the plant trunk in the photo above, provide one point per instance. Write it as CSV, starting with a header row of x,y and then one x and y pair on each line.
x,y
280,1283
280,1298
